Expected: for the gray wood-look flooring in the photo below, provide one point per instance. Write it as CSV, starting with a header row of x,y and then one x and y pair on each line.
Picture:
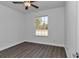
x,y
33,50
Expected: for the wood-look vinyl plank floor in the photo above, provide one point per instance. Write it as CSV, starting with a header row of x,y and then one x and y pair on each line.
x,y
33,50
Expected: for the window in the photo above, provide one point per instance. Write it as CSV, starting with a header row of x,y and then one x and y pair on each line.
x,y
41,24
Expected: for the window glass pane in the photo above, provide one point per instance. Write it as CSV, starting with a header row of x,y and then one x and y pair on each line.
x,y
41,26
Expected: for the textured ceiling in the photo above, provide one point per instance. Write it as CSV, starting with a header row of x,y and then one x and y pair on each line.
x,y
43,5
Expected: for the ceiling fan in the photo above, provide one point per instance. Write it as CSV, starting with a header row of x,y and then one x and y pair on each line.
x,y
27,4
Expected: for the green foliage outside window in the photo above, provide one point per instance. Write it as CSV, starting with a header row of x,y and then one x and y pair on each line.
x,y
40,25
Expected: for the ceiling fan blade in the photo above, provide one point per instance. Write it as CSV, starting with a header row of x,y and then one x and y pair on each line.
x,y
34,6
32,1
26,7
18,2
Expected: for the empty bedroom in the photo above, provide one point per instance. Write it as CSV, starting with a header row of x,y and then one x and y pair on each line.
x,y
39,29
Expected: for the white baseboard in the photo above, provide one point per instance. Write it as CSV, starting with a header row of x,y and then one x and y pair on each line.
x,y
52,44
67,54
11,45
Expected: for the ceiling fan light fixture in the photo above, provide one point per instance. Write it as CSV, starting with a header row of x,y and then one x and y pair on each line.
x,y
27,4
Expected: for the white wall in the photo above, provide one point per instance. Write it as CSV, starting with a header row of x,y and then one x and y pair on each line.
x,y
70,28
11,27
55,27
78,26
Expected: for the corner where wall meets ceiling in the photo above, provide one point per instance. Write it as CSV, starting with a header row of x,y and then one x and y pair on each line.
x,y
43,5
